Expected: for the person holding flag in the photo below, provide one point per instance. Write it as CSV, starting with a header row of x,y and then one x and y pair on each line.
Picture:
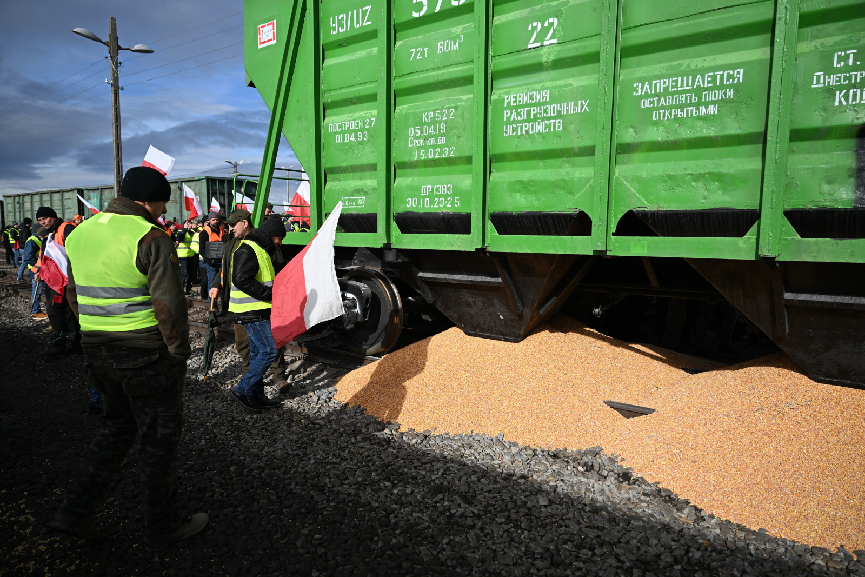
x,y
51,269
124,285
252,276
241,226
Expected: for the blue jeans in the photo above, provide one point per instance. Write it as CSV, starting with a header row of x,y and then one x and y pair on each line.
x,y
36,296
212,273
262,353
95,396
16,256
21,270
186,264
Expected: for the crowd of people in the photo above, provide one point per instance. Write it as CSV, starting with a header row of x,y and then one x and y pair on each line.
x,y
125,309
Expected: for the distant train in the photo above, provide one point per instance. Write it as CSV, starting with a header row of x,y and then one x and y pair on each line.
x,y
495,157
67,203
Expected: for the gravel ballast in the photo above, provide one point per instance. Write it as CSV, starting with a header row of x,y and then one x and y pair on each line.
x,y
759,443
319,488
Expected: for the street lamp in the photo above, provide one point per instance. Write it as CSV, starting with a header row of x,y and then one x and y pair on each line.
x,y
235,165
113,49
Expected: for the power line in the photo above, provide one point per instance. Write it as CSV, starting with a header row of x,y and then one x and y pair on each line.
x,y
183,59
50,85
64,88
101,83
161,50
42,110
58,82
196,28
184,70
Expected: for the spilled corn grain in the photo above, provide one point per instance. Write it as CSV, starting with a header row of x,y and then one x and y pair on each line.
x,y
759,443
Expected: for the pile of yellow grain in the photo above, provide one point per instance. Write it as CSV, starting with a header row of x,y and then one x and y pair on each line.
x,y
758,443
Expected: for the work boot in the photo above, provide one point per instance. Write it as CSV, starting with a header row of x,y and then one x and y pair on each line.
x,y
81,529
39,316
55,351
266,403
246,402
190,526
95,408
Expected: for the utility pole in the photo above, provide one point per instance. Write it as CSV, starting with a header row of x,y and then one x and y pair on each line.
x,y
234,174
114,49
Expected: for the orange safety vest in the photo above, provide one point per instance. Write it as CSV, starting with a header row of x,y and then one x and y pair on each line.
x,y
213,237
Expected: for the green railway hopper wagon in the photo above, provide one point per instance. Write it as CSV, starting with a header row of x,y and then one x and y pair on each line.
x,y
496,158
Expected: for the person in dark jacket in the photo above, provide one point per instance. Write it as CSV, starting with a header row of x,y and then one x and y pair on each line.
x,y
250,299
240,224
7,244
136,338
212,232
17,243
24,234
30,257
66,331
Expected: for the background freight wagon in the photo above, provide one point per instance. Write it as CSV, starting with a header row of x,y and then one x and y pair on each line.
x,y
495,156
67,204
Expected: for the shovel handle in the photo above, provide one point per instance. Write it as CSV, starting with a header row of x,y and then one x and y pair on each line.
x,y
212,302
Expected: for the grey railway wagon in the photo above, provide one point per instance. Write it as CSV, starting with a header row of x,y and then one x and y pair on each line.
x,y
65,201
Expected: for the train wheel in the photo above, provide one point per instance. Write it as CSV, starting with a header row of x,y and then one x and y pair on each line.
x,y
380,332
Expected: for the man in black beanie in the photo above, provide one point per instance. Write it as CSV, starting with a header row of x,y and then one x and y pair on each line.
x,y
125,288
251,286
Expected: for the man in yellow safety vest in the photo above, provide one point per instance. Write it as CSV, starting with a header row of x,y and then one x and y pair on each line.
x,y
252,276
124,287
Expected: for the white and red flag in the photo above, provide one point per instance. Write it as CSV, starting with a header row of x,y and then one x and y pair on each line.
x,y
55,265
191,204
306,291
245,203
300,201
214,206
157,159
88,205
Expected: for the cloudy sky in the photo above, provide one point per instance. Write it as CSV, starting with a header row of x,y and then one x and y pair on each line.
x,y
188,98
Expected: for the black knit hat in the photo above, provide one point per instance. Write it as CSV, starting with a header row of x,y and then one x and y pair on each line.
x,y
145,184
273,226
46,212
27,220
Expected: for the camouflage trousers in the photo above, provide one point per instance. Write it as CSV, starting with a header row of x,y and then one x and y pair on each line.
x,y
241,343
142,393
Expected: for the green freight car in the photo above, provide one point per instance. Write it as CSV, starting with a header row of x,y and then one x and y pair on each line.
x,y
495,156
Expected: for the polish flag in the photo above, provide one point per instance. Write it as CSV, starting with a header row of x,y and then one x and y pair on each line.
x,y
191,204
157,159
300,201
88,205
245,203
306,291
54,266
214,206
